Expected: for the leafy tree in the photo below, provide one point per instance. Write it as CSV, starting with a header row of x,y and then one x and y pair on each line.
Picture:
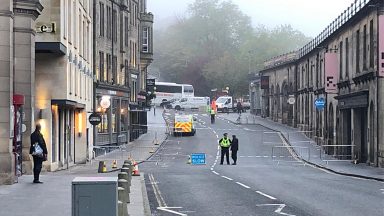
x,y
215,46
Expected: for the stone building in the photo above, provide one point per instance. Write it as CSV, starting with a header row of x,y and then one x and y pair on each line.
x,y
344,67
64,80
122,46
17,82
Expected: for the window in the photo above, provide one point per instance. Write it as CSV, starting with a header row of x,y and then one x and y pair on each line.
x,y
79,33
109,66
69,21
169,89
124,115
346,57
341,60
65,13
114,21
188,89
126,73
101,26
133,90
84,40
114,70
145,39
101,76
126,29
109,22
365,47
358,51
75,25
371,45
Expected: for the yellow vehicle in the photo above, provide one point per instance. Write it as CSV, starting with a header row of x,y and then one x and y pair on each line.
x,y
183,124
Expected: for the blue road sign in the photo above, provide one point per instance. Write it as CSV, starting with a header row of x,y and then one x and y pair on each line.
x,y
198,159
320,103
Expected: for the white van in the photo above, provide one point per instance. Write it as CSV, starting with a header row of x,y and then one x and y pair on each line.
x,y
191,103
224,104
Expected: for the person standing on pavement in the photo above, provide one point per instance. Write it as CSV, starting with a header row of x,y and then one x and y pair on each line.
x,y
224,143
239,107
213,114
234,149
38,139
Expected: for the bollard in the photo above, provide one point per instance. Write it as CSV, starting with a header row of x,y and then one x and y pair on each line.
x,y
120,209
124,175
129,172
124,184
122,198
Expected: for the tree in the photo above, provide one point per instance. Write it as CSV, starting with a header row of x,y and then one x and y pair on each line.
x,y
215,46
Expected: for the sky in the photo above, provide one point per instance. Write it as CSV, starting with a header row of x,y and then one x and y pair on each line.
x,y
307,16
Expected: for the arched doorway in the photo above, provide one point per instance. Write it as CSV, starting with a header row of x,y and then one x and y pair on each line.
x,y
272,103
278,103
285,105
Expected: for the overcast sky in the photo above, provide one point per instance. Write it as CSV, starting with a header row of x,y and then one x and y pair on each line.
x,y
307,16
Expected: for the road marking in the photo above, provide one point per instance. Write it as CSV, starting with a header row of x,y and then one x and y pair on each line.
x,y
169,209
382,191
243,185
266,195
156,190
227,178
216,173
278,210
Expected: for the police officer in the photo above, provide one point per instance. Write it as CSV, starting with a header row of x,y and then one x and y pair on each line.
x,y
225,143
213,113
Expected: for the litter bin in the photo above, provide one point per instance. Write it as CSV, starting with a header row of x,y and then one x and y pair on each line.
x,y
94,196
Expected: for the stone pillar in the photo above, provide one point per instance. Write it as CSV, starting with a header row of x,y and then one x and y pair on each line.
x,y
26,12
6,91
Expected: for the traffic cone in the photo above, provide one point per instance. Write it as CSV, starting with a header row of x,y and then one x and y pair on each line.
x,y
114,164
104,170
135,169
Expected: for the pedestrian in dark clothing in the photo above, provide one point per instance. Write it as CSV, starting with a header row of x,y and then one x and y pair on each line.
x,y
38,139
234,148
239,107
224,143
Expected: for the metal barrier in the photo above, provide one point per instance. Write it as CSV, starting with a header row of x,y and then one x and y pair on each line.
x,y
290,154
335,153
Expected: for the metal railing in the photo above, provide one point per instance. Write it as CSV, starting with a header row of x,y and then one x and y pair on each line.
x,y
336,153
290,153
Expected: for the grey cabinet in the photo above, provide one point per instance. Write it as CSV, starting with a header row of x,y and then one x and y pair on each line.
x,y
94,196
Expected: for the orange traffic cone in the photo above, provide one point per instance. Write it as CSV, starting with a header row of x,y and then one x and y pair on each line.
x,y
135,171
114,164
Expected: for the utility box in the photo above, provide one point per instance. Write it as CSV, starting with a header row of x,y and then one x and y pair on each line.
x,y
94,196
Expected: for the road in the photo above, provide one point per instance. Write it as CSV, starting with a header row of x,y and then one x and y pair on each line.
x,y
256,186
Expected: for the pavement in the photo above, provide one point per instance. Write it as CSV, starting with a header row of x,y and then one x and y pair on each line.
x,y
53,197
299,140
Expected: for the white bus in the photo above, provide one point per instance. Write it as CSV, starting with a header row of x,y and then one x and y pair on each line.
x,y
170,92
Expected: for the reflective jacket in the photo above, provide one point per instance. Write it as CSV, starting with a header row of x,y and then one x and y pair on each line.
x,y
225,142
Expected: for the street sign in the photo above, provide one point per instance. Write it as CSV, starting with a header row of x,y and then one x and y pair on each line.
x,y
320,103
94,119
150,82
291,99
198,159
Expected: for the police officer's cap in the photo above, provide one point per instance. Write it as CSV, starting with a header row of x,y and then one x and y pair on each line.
x,y
225,134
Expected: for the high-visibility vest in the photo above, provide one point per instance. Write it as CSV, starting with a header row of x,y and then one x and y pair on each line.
x,y
225,142
212,112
